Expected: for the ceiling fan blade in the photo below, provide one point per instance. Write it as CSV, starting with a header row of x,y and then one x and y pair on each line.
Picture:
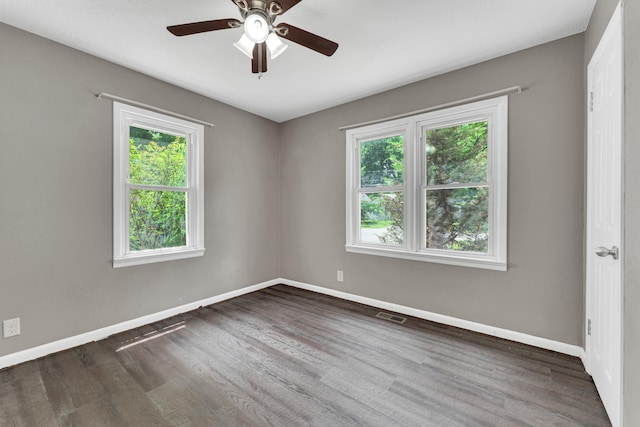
x,y
307,39
259,61
282,5
203,27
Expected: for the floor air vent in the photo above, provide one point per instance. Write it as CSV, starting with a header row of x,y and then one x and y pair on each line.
x,y
391,317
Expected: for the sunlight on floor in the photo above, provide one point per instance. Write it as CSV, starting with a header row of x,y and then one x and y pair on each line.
x,y
152,335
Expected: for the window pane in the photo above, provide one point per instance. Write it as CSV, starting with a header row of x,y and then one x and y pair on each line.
x,y
382,218
382,162
157,219
458,219
157,158
457,154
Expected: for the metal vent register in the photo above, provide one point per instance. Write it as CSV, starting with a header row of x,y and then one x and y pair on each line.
x,y
391,317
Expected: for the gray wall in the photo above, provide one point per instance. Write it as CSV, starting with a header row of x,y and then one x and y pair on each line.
x,y
597,24
56,196
631,310
541,293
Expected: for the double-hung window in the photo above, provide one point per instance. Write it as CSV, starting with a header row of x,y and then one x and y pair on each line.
x,y
158,197
431,187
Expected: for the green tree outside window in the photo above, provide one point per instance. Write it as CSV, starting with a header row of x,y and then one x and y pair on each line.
x,y
157,218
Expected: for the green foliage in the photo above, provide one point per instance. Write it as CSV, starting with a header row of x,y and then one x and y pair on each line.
x,y
376,223
457,219
155,163
393,204
457,154
381,164
370,210
157,218
140,135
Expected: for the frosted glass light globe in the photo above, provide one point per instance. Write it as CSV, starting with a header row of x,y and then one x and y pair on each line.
x,y
256,28
275,45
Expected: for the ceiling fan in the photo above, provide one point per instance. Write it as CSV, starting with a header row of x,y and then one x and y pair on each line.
x,y
260,31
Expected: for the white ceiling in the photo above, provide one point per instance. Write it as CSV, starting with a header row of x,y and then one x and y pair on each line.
x,y
383,43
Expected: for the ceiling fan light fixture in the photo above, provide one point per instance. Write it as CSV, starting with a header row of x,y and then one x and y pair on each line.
x,y
256,27
245,45
275,45
259,32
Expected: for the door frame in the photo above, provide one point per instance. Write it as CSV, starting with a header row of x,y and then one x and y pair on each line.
x,y
614,24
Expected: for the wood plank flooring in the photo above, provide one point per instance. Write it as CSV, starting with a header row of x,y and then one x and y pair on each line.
x,y
288,357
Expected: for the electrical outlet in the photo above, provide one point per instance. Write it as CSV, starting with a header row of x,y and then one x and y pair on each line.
x,y
11,327
340,276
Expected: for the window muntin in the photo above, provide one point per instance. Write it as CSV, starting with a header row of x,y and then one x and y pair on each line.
x,y
158,195
454,190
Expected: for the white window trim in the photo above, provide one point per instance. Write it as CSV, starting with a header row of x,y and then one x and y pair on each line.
x,y
496,111
125,116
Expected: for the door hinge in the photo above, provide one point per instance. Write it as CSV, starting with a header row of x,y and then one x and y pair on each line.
x,y
591,102
589,327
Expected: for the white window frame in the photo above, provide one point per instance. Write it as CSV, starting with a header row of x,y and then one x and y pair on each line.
x,y
125,116
495,111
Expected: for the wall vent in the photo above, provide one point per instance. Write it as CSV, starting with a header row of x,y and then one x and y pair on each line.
x,y
391,317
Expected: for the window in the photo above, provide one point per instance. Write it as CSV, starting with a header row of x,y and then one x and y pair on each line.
x,y
158,199
431,187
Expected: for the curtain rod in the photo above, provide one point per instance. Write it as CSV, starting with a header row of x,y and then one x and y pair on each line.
x,y
507,91
104,95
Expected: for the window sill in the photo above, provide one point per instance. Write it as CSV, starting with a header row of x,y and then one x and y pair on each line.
x,y
444,258
153,256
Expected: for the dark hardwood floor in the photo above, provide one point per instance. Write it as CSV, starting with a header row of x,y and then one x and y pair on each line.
x,y
288,357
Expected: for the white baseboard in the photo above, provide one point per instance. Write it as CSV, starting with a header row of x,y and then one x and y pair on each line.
x,y
560,347
98,334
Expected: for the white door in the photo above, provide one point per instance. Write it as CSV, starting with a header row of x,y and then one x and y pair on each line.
x,y
604,219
